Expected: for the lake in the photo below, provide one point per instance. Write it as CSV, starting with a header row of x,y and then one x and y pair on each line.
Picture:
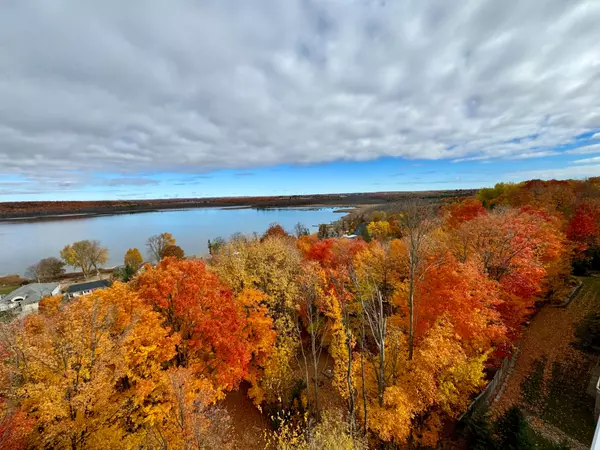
x,y
24,243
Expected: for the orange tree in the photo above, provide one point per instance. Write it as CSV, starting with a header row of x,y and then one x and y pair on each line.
x,y
87,375
219,337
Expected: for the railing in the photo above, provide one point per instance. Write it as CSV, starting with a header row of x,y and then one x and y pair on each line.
x,y
596,441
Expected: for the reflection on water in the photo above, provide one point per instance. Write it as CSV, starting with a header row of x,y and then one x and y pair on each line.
x,y
25,243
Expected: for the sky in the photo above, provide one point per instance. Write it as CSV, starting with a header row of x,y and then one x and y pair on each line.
x,y
131,99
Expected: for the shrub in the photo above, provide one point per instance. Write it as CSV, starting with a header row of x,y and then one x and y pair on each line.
x,y
587,333
123,273
511,431
478,432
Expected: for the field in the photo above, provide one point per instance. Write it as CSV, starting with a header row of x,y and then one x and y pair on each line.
x,y
7,289
10,283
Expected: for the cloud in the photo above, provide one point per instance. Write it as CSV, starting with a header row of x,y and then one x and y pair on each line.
x,y
528,155
595,159
583,171
244,174
596,136
588,149
130,182
152,86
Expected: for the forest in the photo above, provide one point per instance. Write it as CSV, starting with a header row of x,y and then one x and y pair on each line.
x,y
416,307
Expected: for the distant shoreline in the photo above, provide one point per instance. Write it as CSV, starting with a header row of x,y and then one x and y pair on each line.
x,y
73,216
33,211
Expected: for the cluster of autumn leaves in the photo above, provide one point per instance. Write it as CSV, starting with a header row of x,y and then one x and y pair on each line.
x,y
411,320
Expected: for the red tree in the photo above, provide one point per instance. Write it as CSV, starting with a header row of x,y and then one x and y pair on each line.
x,y
584,226
213,326
466,295
464,211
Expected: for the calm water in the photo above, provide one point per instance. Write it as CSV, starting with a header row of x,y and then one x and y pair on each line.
x,y
25,243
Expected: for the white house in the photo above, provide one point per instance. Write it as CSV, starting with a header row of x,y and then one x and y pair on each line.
x,y
26,299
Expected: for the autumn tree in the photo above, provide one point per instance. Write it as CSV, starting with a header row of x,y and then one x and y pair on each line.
x,y
193,421
174,251
46,269
467,297
380,266
464,211
437,383
15,427
103,372
274,230
515,248
203,313
88,375
339,306
380,230
133,259
311,305
584,227
86,255
417,222
271,266
330,433
376,316
500,194
156,245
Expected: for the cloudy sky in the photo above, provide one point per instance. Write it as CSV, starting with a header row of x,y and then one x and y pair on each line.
x,y
154,98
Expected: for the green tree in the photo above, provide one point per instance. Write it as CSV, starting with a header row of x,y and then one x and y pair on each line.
x,y
124,273
215,245
511,430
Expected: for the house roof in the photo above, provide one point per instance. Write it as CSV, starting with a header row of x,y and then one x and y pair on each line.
x,y
87,286
30,293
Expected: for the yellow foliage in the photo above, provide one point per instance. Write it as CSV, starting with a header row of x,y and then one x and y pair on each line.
x,y
331,433
438,381
379,230
89,372
270,266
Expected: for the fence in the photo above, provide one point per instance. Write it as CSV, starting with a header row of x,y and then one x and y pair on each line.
x,y
483,400
570,297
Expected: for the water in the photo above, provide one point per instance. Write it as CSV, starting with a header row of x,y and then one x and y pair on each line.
x,y
24,243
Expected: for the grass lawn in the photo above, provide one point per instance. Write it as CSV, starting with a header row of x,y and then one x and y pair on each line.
x,y
541,443
7,289
550,376
567,405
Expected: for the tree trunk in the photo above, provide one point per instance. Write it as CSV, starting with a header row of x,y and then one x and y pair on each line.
x,y
349,383
362,369
315,355
381,374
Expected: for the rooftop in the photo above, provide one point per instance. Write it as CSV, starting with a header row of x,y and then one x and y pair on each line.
x,y
87,286
27,294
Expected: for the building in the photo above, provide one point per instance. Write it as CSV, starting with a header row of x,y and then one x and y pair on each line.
x,y
27,298
75,290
